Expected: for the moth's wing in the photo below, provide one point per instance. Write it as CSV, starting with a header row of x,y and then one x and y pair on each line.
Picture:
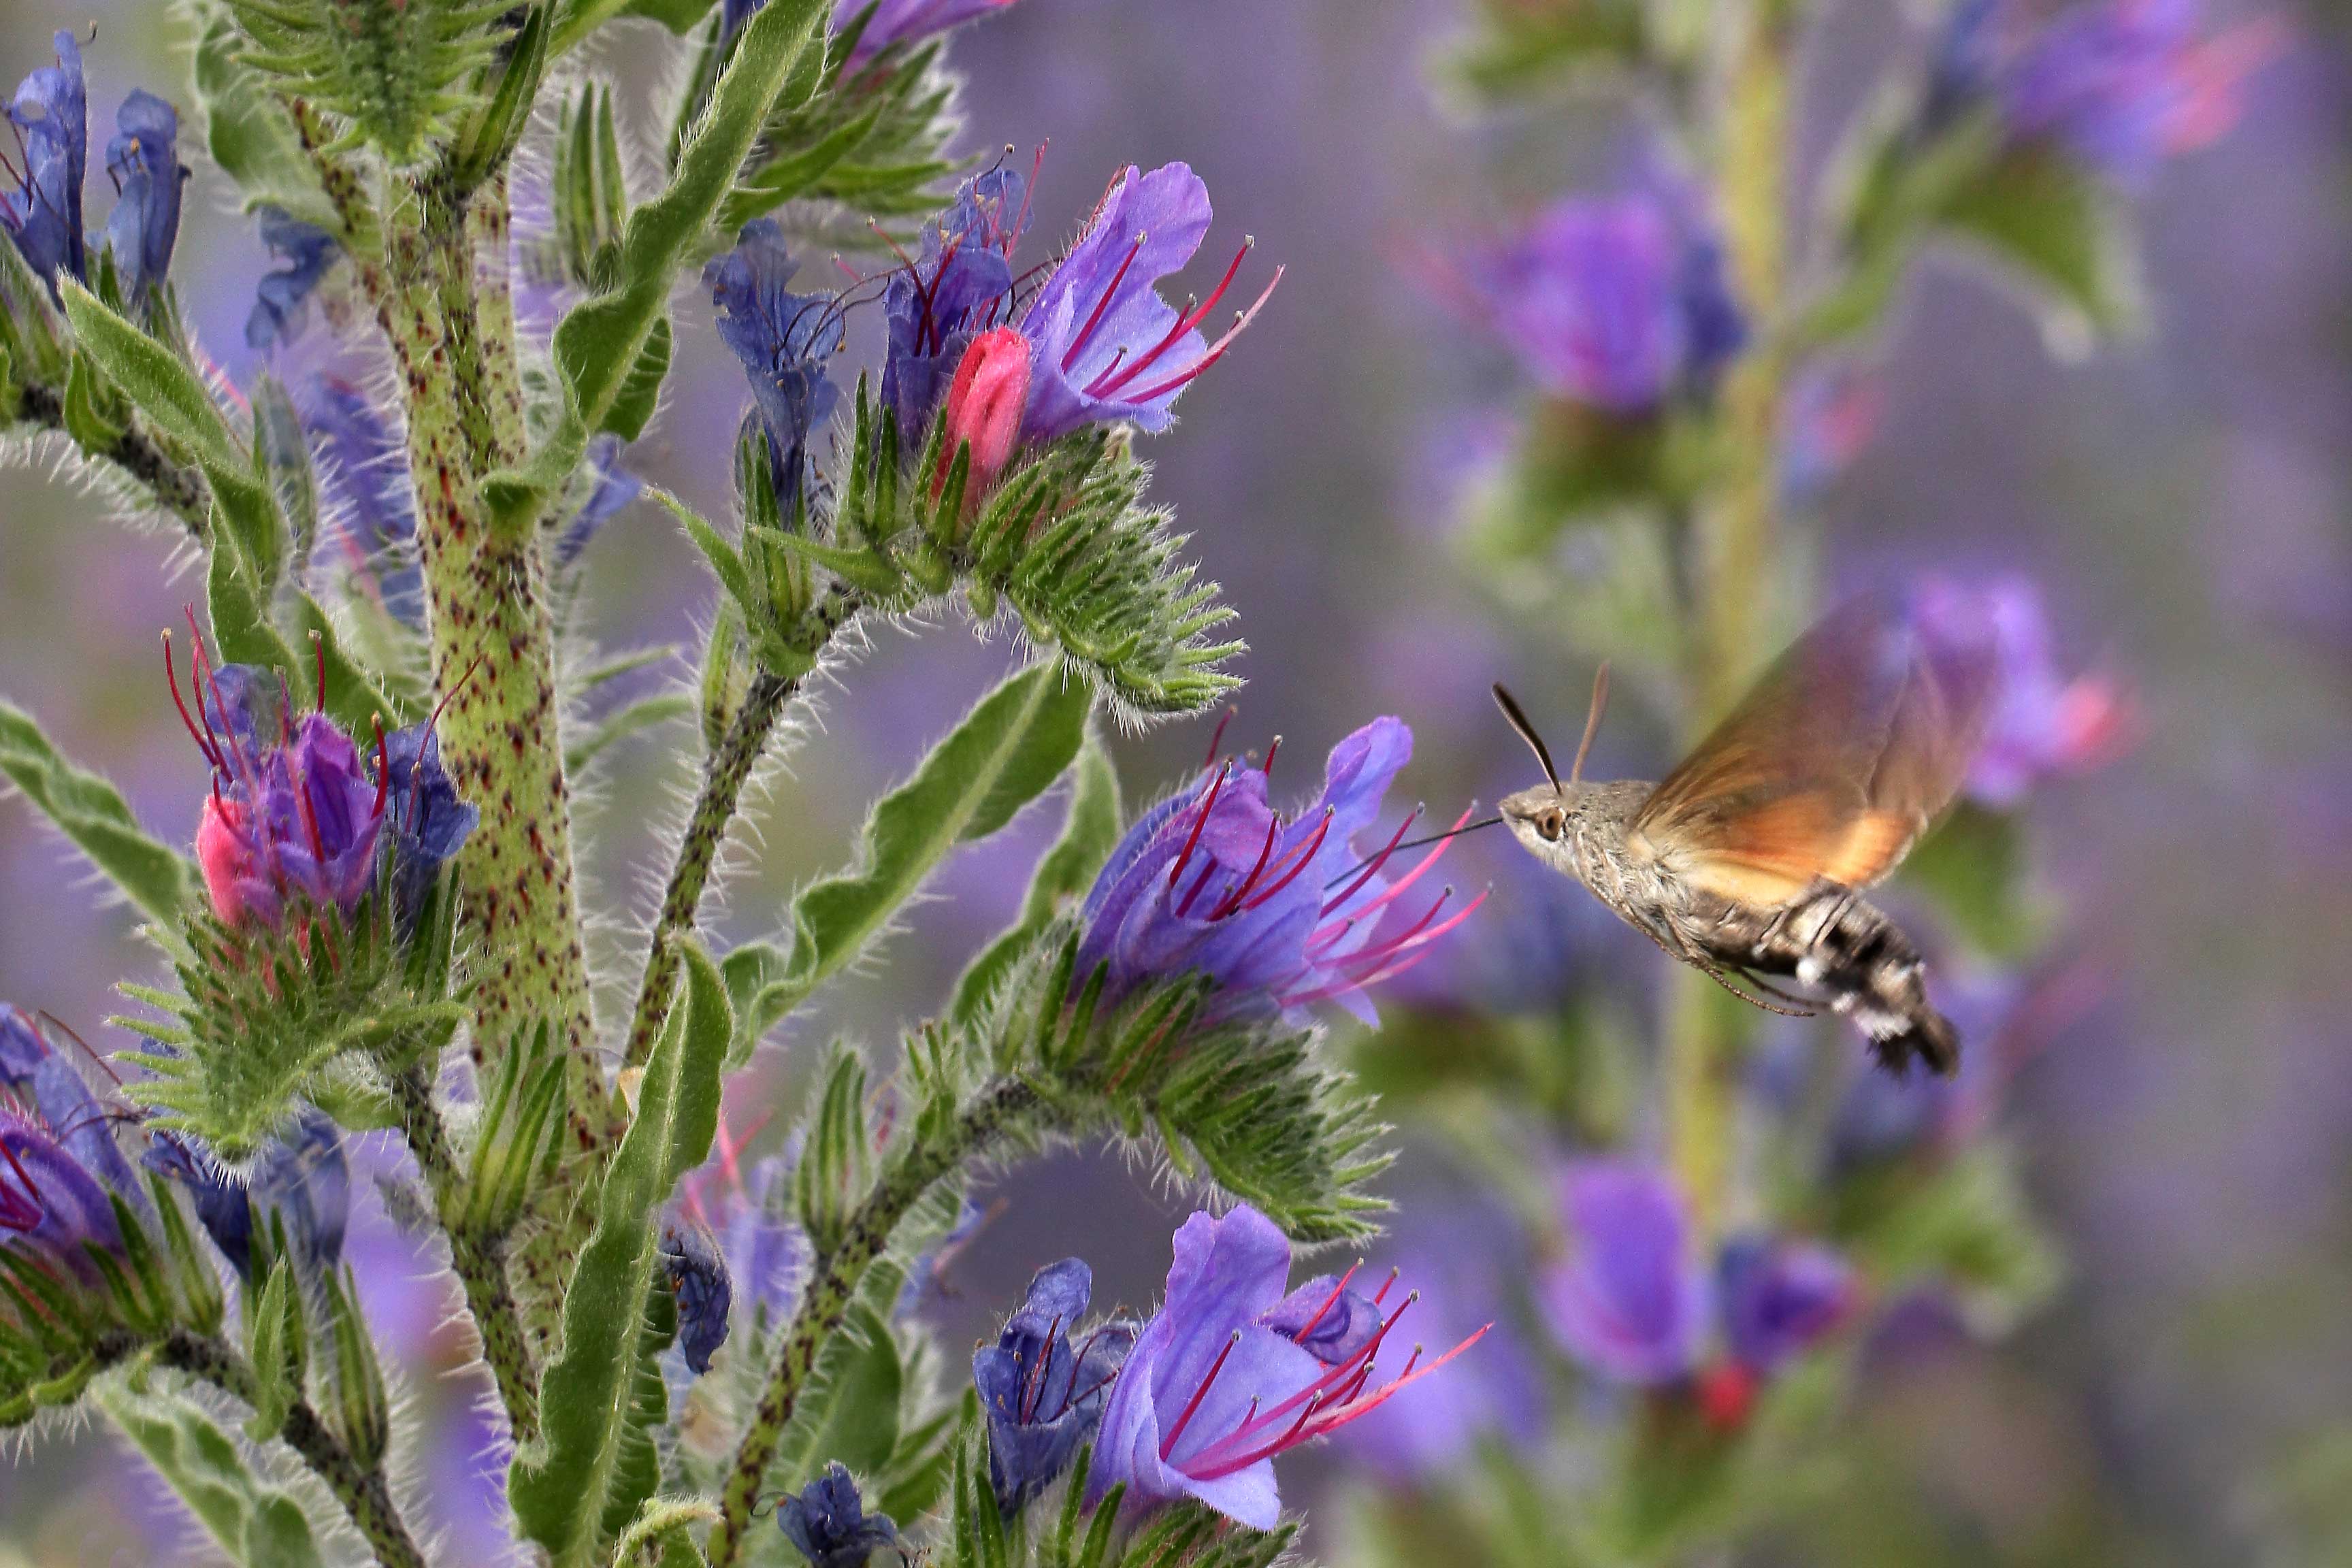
x,y
1834,764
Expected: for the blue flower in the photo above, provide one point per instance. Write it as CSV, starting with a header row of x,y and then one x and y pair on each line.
x,y
1279,915
2042,725
1223,1378
1103,345
1616,302
705,1294
784,341
1632,1302
282,296
143,160
829,1525
37,1073
302,1182
1042,1384
363,469
958,286
43,214
1781,1298
51,1205
429,824
615,488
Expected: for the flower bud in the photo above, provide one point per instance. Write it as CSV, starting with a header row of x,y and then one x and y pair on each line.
x,y
985,404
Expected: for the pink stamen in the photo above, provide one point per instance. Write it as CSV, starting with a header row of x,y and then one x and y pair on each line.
x,y
1329,1303
1410,877
1232,901
1372,867
1216,351
1035,1387
1207,804
1070,355
1397,957
1186,320
171,678
1272,747
1305,859
1217,736
1386,1285
1208,870
26,1217
382,769
1168,1443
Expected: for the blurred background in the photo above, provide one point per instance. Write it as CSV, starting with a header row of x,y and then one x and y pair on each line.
x,y
2184,502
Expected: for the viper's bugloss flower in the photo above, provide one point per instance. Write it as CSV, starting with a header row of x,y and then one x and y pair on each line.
x,y
829,1525
1633,1300
750,1210
1103,345
1277,914
363,470
428,823
1831,413
143,160
890,22
2124,84
281,300
784,341
218,1197
300,820
957,287
1223,1379
35,1074
52,116
1615,302
2043,726
50,1203
301,1183
704,1293
1044,1383
1781,1298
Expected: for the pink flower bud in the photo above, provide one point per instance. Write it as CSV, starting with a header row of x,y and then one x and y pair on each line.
x,y
985,402
234,874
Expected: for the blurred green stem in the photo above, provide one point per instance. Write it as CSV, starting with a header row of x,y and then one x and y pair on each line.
x,y
1738,540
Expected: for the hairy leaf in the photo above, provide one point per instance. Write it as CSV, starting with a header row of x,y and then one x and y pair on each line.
x,y
254,1525
92,814
1089,831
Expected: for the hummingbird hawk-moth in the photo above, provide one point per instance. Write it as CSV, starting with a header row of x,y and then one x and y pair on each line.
x,y
1748,861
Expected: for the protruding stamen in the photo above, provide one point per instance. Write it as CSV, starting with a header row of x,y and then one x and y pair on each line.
x,y
1372,867
1306,858
1329,1303
1192,841
1232,901
1216,351
1168,1443
1186,320
1070,354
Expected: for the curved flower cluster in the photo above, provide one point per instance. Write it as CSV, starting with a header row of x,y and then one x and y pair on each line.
x,y
1233,1369
1636,1303
294,818
1619,303
1278,914
43,216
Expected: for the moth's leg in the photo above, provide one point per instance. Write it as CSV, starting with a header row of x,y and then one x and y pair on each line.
x,y
1766,986
1815,891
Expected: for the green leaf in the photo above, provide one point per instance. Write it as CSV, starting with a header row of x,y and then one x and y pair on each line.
x,y
1008,751
589,1393
248,132
273,1344
92,814
1088,832
253,1524
2062,232
865,1382
600,344
647,713
634,404
679,15
497,123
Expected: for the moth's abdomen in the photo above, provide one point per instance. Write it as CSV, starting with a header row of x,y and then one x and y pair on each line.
x,y
1863,964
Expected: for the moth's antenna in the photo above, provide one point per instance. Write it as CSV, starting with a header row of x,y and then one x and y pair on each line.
x,y
1510,707
1591,719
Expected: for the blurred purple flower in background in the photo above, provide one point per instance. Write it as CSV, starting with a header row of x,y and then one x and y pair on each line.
x,y
43,214
784,341
363,472
614,487
143,160
890,22
281,298
1042,1384
1781,1298
1279,916
1616,302
751,1215
2042,726
1632,1302
1829,415
1103,345
1221,1379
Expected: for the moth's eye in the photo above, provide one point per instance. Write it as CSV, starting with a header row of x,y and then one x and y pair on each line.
x,y
1549,824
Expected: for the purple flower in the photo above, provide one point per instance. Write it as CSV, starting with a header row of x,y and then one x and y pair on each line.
x,y
292,816
705,1294
829,1524
35,1074
1223,1379
1781,1298
218,1197
888,22
50,1203
957,287
1616,302
751,1215
364,469
615,488
301,1184
782,340
1103,346
282,296
2124,84
1279,915
1042,1384
51,116
1632,1301
2042,726
143,160
429,824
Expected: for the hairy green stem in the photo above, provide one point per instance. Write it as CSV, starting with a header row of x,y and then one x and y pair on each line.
x,y
1739,536
912,1170
479,1261
175,486
362,1491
